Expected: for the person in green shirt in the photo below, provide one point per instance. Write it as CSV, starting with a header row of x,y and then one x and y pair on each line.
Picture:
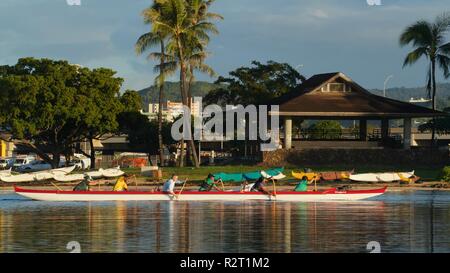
x,y
84,185
209,184
302,185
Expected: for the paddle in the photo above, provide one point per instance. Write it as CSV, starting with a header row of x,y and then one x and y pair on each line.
x,y
274,188
56,186
182,188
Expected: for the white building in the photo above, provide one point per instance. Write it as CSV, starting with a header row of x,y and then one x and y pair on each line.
x,y
171,110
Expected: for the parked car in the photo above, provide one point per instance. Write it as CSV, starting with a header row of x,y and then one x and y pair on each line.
x,y
20,161
6,163
34,166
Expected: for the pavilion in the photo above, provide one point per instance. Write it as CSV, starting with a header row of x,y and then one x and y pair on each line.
x,y
334,96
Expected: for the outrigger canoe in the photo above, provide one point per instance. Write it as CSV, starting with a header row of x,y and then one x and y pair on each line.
x,y
383,177
248,176
310,196
327,176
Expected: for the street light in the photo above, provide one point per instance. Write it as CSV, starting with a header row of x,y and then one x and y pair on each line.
x,y
385,83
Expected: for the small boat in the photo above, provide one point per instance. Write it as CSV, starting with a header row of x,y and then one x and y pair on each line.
x,y
327,176
5,172
68,177
36,176
383,177
310,196
20,178
95,174
65,170
112,173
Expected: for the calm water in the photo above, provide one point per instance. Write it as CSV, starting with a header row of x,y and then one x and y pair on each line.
x,y
416,221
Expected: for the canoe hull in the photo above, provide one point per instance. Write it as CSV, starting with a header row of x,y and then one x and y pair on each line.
x,y
329,195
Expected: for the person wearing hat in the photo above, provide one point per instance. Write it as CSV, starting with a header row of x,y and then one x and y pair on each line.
x,y
84,185
209,184
121,183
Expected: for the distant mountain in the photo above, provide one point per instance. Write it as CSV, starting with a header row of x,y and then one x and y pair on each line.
x,y
172,91
405,94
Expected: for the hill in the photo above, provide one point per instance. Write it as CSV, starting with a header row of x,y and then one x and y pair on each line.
x,y
405,94
172,91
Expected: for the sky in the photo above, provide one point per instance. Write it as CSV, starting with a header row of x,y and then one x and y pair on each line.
x,y
314,36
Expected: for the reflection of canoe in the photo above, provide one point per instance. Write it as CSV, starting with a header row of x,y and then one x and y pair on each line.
x,y
112,173
310,196
328,176
68,177
239,177
382,177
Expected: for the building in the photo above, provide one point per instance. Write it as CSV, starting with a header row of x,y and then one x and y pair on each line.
x,y
334,96
171,110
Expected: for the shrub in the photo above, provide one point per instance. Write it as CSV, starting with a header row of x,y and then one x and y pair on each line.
x,y
445,175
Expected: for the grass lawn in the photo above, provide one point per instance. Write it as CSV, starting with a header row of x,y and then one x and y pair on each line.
x,y
426,173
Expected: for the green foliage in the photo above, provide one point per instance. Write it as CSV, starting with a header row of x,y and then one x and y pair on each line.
x,y
131,101
142,133
326,129
256,84
445,174
54,104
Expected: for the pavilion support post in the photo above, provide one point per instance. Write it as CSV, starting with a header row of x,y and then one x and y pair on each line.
x,y
363,130
384,128
407,123
288,133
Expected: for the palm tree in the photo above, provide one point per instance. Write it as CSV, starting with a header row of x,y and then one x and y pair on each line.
x,y
429,42
146,41
184,33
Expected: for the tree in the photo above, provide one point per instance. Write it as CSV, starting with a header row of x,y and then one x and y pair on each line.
x,y
142,132
325,129
156,37
441,125
428,38
184,33
256,84
49,106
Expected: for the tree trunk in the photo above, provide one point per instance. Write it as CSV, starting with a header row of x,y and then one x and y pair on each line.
x,y
433,101
160,105
185,102
189,98
55,160
92,157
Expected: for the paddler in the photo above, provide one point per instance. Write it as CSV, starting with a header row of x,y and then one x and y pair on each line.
x,y
209,184
84,185
121,183
169,185
260,185
302,184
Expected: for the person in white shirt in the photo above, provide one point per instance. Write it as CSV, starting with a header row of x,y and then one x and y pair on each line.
x,y
170,185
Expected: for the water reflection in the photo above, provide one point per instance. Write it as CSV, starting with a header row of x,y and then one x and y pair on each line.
x,y
401,222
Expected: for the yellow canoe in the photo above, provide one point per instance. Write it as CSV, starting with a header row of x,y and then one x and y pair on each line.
x,y
309,176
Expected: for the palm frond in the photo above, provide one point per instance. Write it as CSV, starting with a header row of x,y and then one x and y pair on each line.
x,y
415,55
444,64
419,34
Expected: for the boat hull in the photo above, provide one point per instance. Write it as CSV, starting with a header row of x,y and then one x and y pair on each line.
x,y
329,195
